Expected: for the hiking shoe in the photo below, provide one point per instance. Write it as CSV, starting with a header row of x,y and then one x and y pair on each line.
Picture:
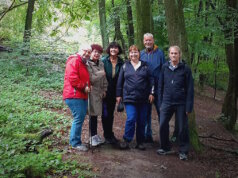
x,y
183,156
149,140
124,145
81,148
112,140
163,152
99,139
95,140
140,146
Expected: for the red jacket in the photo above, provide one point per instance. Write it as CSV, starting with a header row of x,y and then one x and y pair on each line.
x,y
76,78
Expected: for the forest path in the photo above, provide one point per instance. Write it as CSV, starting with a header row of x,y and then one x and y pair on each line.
x,y
109,161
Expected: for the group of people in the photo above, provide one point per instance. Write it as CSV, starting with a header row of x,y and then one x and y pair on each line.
x,y
95,85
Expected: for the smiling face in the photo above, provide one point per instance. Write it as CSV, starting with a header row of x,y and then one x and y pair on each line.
x,y
114,51
174,55
95,55
86,54
149,42
134,55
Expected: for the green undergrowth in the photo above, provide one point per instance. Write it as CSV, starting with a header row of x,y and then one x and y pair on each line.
x,y
26,109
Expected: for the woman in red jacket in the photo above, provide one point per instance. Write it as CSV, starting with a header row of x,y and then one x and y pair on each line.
x,y
75,93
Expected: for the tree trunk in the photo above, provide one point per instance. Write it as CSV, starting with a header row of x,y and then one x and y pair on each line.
x,y
172,22
103,26
117,24
28,26
130,26
229,108
143,17
177,36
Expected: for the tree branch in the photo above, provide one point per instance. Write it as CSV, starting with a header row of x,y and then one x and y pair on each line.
x,y
223,149
217,138
214,8
11,8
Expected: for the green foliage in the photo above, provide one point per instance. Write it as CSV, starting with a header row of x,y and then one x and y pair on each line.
x,y
210,69
29,101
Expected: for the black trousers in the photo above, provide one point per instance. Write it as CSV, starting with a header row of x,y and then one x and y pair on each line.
x,y
166,112
93,125
108,117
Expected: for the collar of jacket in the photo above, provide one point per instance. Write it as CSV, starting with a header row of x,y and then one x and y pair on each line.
x,y
119,60
155,48
93,62
181,63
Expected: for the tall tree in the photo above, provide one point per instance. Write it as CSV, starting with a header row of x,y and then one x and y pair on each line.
x,y
117,25
130,26
229,108
177,36
103,27
176,26
143,17
28,26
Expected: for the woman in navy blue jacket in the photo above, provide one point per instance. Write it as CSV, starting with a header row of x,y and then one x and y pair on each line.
x,y
135,86
176,95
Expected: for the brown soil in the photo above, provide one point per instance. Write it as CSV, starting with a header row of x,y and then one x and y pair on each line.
x,y
109,161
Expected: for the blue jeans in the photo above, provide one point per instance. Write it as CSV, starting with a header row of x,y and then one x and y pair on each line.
x,y
148,129
78,109
136,114
166,113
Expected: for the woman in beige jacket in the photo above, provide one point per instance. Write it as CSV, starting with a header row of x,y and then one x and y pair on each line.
x,y
99,86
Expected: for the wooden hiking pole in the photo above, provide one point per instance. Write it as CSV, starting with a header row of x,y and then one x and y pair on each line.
x,y
89,122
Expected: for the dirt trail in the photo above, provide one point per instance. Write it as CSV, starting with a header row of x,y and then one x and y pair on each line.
x,y
109,161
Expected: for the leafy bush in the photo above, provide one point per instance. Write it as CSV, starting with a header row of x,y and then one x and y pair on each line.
x,y
26,108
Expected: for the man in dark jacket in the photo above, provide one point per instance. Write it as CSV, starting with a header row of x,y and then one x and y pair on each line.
x,y
154,57
176,95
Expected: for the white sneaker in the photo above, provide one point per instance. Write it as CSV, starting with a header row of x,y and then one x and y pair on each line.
x,y
96,140
100,140
81,148
93,140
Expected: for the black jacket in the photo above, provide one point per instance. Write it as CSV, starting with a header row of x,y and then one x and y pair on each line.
x,y
135,86
176,87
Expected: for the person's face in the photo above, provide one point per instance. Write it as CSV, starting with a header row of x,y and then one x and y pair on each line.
x,y
134,55
86,53
95,55
149,42
114,51
174,55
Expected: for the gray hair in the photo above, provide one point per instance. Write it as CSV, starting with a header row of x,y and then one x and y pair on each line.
x,y
148,35
84,47
178,48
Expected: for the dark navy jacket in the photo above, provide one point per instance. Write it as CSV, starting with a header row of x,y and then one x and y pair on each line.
x,y
135,86
155,59
176,87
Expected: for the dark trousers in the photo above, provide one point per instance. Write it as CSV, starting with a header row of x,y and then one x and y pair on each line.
x,y
166,112
108,117
148,127
93,125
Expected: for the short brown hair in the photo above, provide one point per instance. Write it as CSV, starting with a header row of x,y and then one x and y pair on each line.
x,y
97,47
133,47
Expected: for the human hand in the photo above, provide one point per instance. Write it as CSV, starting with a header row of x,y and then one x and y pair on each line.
x,y
87,89
118,99
104,94
151,98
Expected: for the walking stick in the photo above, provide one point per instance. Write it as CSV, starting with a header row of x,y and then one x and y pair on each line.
x,y
89,121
